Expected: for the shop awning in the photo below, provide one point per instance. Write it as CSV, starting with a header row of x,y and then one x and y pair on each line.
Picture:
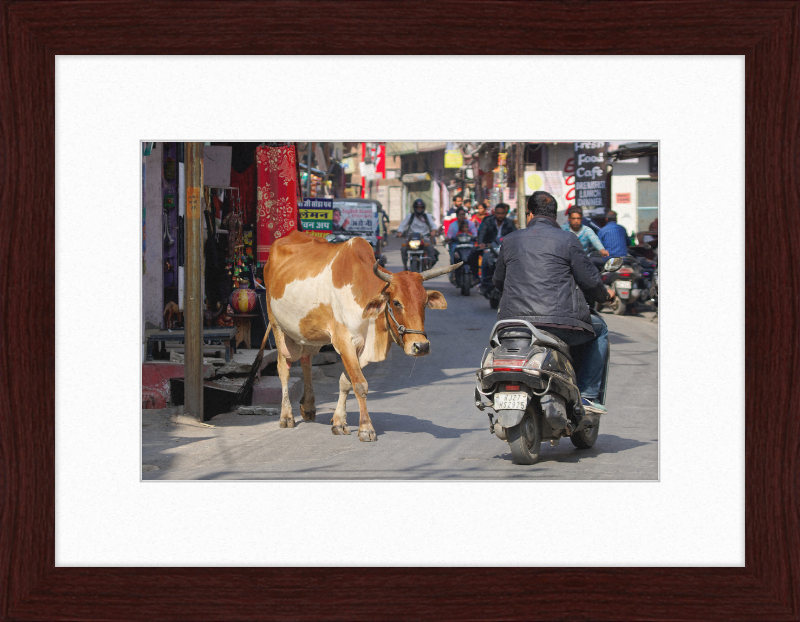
x,y
398,149
628,151
413,178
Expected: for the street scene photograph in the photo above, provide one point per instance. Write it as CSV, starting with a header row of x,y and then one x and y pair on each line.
x,y
400,310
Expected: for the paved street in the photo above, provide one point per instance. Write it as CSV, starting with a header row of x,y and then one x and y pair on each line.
x,y
425,417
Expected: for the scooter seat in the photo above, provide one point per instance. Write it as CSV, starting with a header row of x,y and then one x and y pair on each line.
x,y
523,332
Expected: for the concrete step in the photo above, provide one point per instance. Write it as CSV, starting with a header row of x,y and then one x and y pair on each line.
x,y
268,390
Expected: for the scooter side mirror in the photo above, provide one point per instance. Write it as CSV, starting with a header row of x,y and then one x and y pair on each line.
x,y
613,264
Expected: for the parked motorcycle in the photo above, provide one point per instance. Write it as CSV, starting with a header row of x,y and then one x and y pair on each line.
x,y
462,277
491,253
529,377
417,249
632,284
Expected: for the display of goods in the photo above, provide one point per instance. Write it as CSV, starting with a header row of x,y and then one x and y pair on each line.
x,y
243,300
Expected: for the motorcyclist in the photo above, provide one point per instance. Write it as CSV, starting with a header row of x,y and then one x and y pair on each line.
x,y
492,229
547,279
418,221
455,229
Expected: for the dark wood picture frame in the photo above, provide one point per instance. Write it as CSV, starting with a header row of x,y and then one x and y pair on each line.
x,y
766,33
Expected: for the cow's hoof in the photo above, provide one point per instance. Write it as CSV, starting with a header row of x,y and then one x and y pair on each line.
x,y
288,422
367,434
308,415
340,429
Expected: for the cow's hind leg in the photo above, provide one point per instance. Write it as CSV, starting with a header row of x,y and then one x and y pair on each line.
x,y
339,421
287,418
308,407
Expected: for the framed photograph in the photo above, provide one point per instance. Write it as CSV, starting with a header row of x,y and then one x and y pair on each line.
x,y
36,585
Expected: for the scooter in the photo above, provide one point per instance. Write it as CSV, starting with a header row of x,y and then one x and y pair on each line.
x,y
632,284
462,277
491,253
528,375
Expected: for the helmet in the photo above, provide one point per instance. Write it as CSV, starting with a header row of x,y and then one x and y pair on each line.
x,y
419,203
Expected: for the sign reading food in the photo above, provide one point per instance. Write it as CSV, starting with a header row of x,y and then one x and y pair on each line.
x,y
591,177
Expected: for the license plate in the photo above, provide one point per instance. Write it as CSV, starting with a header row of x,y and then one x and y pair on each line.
x,y
624,284
510,401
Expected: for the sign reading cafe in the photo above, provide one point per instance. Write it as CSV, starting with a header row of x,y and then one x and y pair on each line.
x,y
591,177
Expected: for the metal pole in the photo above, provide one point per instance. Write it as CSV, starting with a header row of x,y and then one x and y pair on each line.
x,y
193,315
521,202
308,169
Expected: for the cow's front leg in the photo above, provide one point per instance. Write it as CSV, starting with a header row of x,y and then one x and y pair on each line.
x,y
353,368
287,418
339,421
308,407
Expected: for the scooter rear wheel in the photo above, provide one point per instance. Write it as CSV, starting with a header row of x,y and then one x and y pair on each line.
x,y
525,438
585,439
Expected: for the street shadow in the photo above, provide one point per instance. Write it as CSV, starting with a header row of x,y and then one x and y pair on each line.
x,y
384,422
565,451
616,338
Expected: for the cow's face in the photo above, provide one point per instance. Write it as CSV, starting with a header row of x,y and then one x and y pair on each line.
x,y
407,299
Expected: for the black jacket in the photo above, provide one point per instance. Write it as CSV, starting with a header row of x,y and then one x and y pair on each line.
x,y
488,231
546,278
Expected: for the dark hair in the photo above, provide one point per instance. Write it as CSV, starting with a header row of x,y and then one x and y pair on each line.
x,y
575,210
336,209
612,215
542,203
459,210
501,206
458,196
467,200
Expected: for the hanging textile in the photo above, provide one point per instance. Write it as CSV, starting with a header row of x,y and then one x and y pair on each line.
x,y
246,183
436,208
277,196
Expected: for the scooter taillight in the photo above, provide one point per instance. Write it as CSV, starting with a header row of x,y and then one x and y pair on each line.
x,y
625,273
508,364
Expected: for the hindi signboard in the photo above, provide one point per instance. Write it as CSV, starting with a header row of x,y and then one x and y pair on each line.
x,y
355,218
316,216
591,177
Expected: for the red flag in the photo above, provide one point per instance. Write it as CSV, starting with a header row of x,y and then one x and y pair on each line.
x,y
277,196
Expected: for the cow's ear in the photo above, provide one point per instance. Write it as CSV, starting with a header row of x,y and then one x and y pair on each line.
x,y
436,300
374,307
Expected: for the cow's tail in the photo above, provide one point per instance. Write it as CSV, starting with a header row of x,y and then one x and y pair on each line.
x,y
247,388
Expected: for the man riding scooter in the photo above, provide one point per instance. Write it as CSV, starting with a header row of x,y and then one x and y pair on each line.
x,y
418,221
546,279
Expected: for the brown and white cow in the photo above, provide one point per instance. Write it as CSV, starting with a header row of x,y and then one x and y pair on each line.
x,y
320,293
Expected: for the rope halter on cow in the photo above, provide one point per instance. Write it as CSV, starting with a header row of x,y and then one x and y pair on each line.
x,y
427,274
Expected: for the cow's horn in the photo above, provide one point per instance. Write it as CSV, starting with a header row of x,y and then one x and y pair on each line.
x,y
429,274
381,275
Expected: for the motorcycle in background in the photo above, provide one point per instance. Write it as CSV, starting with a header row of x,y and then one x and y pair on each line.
x,y
462,277
529,377
491,253
417,250
632,284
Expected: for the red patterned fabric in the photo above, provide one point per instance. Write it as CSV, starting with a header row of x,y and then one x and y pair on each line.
x,y
277,196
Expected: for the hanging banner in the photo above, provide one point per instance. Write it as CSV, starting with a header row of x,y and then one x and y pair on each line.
x,y
453,159
355,219
276,214
591,177
316,216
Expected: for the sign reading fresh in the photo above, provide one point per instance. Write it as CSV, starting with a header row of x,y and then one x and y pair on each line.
x,y
591,177
316,216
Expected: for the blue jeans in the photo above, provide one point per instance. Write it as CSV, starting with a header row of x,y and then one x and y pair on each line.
x,y
593,366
